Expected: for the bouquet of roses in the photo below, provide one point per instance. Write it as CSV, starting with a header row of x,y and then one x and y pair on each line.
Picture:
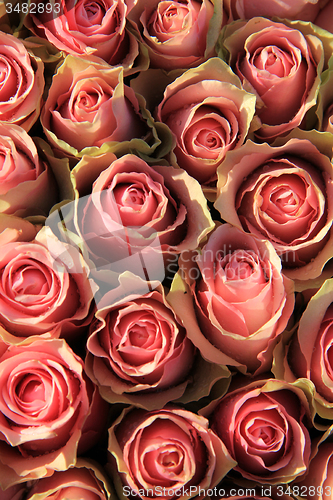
x,y
166,249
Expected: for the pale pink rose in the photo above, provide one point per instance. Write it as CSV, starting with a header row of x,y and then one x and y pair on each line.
x,y
263,425
39,295
89,105
306,10
43,406
176,33
135,209
87,28
280,65
241,300
166,451
27,185
284,194
21,83
318,482
139,347
209,114
84,481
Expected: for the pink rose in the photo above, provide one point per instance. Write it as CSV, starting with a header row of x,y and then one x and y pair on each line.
x,y
306,10
87,28
139,347
39,295
176,33
27,185
283,194
165,452
87,106
135,211
241,301
270,57
209,114
309,354
43,406
318,484
21,83
84,481
263,427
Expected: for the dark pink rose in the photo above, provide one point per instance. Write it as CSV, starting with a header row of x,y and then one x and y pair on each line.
x,y
166,452
283,194
176,33
138,348
209,114
87,28
269,58
89,105
21,83
43,406
84,481
39,295
263,425
27,185
241,300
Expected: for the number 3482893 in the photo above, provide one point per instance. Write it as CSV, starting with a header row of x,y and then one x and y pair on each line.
x,y
33,8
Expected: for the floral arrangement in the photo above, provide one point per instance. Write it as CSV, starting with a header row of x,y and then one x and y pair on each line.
x,y
166,249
